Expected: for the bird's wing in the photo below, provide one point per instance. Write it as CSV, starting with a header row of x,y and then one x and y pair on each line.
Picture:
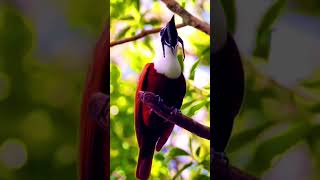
x,y
164,137
183,91
138,105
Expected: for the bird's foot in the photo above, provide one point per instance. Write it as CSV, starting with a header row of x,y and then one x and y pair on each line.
x,y
175,111
221,156
159,99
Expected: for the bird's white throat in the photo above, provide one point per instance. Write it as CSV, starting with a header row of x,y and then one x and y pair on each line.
x,y
168,65
219,26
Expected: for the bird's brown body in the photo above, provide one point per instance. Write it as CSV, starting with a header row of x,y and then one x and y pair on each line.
x,y
151,130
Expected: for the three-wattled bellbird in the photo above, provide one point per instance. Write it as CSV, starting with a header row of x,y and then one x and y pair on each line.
x,y
228,81
163,77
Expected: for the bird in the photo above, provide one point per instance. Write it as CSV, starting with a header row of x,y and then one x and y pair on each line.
x,y
163,77
94,146
227,81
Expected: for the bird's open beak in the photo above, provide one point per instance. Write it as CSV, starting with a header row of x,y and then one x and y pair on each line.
x,y
172,33
169,36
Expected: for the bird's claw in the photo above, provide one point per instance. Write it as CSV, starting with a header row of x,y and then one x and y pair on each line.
x,y
221,156
175,111
159,99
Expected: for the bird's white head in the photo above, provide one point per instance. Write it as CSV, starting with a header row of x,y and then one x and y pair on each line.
x,y
167,63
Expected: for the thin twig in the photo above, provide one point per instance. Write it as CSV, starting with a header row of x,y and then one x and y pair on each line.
x,y
188,18
141,35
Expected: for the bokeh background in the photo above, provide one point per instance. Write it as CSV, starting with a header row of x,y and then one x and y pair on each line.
x,y
276,135
45,50
184,156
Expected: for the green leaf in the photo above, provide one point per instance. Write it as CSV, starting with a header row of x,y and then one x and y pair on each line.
x,y
315,108
264,30
15,34
190,145
263,42
247,136
271,16
180,59
201,177
148,43
193,69
198,151
115,74
311,84
195,108
123,32
181,170
153,22
159,156
229,7
174,152
137,4
206,164
128,17
186,105
183,4
275,146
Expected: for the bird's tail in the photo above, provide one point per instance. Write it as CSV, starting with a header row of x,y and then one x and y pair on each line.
x,y
144,163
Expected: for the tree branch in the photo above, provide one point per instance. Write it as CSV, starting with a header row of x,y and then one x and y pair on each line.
x,y
99,111
188,18
141,35
221,170
173,115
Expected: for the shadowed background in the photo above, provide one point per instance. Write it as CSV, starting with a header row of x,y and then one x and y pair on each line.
x,y
45,50
277,134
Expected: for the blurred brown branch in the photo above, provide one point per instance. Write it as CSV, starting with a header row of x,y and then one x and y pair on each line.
x,y
99,111
141,35
223,171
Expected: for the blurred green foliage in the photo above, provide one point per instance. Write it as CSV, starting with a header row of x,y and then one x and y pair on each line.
x,y
40,95
274,118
